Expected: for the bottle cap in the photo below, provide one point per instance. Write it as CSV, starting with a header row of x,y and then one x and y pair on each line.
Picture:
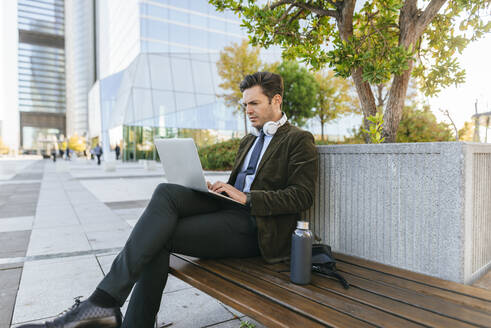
x,y
302,225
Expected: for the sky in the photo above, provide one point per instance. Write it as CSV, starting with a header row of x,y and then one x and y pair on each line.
x,y
460,100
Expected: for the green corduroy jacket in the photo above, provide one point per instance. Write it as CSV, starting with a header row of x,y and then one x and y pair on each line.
x,y
283,187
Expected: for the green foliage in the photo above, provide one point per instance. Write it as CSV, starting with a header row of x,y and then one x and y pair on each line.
x,y
300,93
375,128
457,24
236,61
305,28
467,132
220,156
334,98
422,126
247,324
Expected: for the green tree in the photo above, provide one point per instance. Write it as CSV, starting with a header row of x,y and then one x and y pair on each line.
x,y
467,132
236,61
334,99
301,89
422,126
382,41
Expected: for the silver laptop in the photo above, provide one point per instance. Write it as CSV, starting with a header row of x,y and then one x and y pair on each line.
x,y
182,166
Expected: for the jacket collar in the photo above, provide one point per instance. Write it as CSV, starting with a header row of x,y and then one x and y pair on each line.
x,y
274,143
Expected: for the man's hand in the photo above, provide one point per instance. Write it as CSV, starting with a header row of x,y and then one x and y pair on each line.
x,y
231,191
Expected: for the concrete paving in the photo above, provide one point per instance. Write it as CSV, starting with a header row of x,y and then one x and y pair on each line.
x,y
66,221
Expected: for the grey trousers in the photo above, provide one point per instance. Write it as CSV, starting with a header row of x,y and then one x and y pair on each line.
x,y
177,220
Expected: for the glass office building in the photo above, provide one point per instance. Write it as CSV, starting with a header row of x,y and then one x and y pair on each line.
x,y
41,72
157,60
80,63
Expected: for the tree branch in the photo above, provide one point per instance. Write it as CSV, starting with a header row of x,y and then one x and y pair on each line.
x,y
279,3
428,14
285,13
447,114
298,13
345,19
316,10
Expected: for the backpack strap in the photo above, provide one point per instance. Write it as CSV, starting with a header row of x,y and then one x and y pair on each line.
x,y
328,272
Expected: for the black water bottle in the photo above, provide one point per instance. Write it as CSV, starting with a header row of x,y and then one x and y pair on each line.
x,y
301,255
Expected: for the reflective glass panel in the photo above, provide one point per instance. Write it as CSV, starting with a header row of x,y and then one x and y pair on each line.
x,y
163,102
160,72
142,102
182,75
184,101
178,16
37,138
202,76
199,38
155,29
178,34
198,20
141,76
151,46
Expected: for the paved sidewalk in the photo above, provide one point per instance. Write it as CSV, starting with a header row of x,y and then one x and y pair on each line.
x,y
62,224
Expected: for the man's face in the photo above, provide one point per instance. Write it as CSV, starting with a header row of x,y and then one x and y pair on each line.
x,y
258,107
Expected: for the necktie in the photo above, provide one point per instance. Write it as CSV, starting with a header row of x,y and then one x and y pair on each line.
x,y
251,167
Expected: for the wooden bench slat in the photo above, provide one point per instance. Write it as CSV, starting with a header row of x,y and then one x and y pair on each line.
x,y
245,301
415,286
332,298
388,304
470,291
293,301
422,301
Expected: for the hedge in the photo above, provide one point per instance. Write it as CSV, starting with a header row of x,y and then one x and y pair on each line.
x,y
220,156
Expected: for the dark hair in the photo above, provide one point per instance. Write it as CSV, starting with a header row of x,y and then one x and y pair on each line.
x,y
271,83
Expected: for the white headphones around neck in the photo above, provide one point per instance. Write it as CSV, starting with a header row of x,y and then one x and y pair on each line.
x,y
270,127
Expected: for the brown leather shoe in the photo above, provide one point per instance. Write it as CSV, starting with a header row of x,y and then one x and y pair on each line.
x,y
84,314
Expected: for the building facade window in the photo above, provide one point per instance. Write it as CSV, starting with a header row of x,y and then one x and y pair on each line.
x,y
41,72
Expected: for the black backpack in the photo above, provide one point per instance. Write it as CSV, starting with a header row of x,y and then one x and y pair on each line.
x,y
324,263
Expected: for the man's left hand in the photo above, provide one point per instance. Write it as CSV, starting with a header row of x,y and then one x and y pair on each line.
x,y
230,190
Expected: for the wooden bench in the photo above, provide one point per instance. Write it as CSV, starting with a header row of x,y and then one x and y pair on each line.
x,y
380,295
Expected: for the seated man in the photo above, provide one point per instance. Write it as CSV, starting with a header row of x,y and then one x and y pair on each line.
x,y
274,175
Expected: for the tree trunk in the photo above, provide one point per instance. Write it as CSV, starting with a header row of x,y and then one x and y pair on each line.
x,y
367,100
380,98
365,94
322,131
395,104
412,24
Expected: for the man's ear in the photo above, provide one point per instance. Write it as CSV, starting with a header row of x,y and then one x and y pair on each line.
x,y
278,99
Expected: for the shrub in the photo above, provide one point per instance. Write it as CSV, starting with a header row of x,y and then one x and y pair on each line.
x,y
220,156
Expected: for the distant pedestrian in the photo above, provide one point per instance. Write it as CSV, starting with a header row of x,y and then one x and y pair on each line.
x,y
118,151
67,153
98,153
61,153
53,153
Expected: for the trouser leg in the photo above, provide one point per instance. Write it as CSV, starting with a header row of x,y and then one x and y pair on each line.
x,y
228,232
152,231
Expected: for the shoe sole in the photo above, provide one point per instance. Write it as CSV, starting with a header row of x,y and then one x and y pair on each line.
x,y
100,323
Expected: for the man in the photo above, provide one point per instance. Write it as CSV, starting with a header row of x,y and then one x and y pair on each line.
x,y
273,175
118,151
98,153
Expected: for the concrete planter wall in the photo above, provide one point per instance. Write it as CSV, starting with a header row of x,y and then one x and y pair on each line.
x,y
425,207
